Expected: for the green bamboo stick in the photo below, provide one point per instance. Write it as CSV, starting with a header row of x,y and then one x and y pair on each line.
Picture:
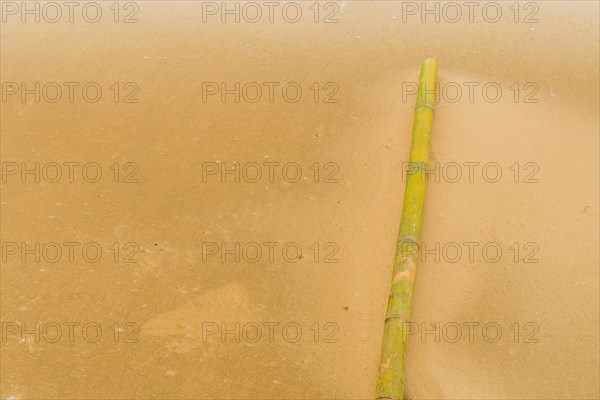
x,y
390,384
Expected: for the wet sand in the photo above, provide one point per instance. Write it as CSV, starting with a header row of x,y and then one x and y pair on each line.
x,y
177,284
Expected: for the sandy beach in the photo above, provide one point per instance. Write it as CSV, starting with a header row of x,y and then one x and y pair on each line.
x,y
203,203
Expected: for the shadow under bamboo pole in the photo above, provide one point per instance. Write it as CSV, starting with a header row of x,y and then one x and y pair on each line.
x,y
390,384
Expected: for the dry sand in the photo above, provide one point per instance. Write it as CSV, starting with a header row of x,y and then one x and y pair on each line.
x,y
540,295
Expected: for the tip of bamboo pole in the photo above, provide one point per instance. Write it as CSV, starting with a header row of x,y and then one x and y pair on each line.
x,y
430,62
427,83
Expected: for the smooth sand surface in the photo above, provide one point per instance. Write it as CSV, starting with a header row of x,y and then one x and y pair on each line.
x,y
528,317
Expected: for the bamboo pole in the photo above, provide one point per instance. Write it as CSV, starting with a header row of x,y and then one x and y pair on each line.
x,y
390,384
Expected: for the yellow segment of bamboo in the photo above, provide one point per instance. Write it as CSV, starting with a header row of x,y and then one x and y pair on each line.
x,y
390,385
